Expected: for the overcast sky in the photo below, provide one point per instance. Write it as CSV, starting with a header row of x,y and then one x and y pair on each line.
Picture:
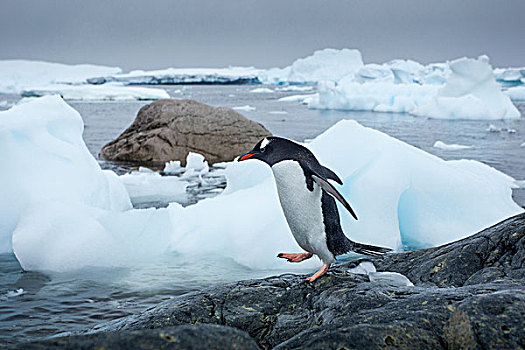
x,y
213,33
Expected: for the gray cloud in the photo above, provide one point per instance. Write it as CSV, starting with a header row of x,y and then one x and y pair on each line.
x,y
212,33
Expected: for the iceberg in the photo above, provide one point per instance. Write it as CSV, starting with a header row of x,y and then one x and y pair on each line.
x,y
327,64
230,75
470,92
71,214
46,134
105,92
378,96
17,75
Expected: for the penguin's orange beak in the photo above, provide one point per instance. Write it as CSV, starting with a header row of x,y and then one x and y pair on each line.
x,y
247,156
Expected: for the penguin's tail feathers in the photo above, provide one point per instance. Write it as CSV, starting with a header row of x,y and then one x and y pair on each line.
x,y
370,250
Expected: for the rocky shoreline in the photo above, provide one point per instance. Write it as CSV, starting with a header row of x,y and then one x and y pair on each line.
x,y
466,294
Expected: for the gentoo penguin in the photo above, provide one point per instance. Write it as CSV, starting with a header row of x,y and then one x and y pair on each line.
x,y
308,202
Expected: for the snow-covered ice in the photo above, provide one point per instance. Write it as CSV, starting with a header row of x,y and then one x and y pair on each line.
x,y
245,108
183,76
17,75
450,147
106,92
71,214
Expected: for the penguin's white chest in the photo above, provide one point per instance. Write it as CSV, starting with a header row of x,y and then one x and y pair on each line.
x,y
302,208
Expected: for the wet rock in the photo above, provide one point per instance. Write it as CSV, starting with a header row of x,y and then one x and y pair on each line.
x,y
169,129
194,337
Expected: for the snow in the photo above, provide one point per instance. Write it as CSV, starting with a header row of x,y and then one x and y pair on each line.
x,y
183,76
105,92
450,147
261,91
516,93
470,92
278,112
246,108
71,214
17,75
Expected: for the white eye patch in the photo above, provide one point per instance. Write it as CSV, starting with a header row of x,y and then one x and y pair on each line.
x,y
264,143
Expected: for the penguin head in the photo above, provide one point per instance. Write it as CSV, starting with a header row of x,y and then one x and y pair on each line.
x,y
272,150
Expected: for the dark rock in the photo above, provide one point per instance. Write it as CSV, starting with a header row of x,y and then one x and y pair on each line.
x,y
467,294
191,337
169,129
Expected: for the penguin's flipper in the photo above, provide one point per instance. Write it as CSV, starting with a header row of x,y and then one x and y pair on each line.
x,y
322,181
330,175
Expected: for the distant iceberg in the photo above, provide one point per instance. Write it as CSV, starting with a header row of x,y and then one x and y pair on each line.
x,y
17,75
470,92
327,64
230,75
70,214
105,92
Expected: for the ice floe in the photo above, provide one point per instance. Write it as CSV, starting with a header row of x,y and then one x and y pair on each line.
x,y
450,147
516,93
305,99
261,91
106,92
245,108
148,186
17,75
71,214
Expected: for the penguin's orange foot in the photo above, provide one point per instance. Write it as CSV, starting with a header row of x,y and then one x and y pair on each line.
x,y
319,273
295,257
